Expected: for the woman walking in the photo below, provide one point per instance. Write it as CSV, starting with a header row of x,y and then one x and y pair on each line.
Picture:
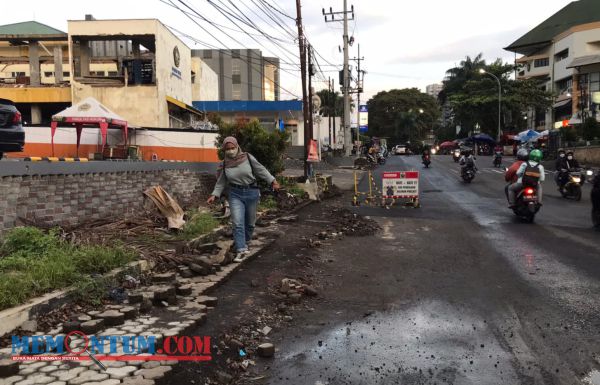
x,y
239,174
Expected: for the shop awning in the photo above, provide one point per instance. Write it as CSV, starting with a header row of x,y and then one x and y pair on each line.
x,y
584,61
562,103
184,106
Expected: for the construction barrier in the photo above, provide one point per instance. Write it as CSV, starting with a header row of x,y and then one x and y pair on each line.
x,y
54,159
399,185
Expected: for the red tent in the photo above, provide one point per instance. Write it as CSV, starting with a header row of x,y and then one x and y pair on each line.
x,y
88,112
448,144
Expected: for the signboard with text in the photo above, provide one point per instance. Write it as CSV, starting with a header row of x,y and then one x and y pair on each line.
x,y
400,184
363,117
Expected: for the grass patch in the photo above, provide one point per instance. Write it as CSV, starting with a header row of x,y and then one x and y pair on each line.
x,y
33,262
198,224
291,186
267,203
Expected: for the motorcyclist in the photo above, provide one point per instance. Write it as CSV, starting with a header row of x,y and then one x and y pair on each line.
x,y
467,160
568,164
426,153
510,175
531,173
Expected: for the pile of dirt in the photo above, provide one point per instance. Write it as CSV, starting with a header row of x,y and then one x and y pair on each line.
x,y
352,224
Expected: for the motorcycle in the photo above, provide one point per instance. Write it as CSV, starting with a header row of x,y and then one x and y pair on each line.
x,y
426,160
572,189
595,197
456,155
527,204
468,173
497,159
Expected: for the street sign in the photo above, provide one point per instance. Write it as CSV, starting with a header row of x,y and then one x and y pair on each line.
x,y
363,123
400,184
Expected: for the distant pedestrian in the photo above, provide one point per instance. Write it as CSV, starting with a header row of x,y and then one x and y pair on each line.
x,y
240,174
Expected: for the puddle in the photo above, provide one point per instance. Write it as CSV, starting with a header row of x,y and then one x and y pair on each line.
x,y
593,378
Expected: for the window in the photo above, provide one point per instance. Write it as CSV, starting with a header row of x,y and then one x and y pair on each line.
x,y
207,54
48,74
236,79
235,53
66,74
236,91
97,73
17,74
235,67
113,73
562,55
545,62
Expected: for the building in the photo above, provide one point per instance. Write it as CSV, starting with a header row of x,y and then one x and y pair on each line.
x,y
564,53
244,74
434,89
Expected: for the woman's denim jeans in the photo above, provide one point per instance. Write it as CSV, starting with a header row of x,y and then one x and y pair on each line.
x,y
243,204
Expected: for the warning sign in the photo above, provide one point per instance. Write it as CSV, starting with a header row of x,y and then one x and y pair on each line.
x,y
401,184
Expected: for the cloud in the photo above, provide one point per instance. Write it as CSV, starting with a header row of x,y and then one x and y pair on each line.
x,y
491,46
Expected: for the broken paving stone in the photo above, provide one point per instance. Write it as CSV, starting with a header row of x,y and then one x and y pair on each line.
x,y
84,318
165,293
145,305
223,378
122,372
208,301
150,364
93,326
164,278
266,330
129,312
288,318
29,326
266,350
198,269
184,290
112,318
310,291
135,297
13,379
288,218
236,344
8,368
70,326
255,283
88,376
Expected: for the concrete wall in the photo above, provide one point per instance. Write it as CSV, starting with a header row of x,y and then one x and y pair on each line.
x,y
206,84
588,155
70,200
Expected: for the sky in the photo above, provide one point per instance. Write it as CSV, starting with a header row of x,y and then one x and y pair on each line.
x,y
404,43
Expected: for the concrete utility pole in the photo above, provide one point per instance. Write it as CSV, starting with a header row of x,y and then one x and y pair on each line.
x,y
359,90
305,101
346,77
329,87
311,73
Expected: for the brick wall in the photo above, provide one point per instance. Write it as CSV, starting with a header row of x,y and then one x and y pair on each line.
x,y
68,200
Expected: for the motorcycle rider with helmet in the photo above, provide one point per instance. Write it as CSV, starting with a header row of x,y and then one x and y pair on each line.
x,y
510,175
467,160
569,163
530,173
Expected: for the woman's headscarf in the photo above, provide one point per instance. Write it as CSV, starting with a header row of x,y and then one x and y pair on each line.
x,y
239,158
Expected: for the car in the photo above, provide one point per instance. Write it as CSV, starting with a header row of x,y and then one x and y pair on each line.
x,y
12,134
401,149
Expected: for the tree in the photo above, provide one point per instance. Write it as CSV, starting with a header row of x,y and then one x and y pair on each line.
x,y
266,146
396,114
332,103
473,96
590,129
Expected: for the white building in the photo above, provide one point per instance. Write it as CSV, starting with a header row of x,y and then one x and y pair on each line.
x,y
434,89
564,52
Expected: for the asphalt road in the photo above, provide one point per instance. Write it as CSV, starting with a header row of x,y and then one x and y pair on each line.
x,y
457,291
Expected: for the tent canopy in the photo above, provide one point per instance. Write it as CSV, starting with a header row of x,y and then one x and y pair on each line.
x,y
88,112
482,138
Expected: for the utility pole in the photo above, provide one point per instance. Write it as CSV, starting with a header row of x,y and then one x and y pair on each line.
x,y
305,104
311,73
359,90
346,78
329,88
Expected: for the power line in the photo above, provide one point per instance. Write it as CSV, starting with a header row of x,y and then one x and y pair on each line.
x,y
277,10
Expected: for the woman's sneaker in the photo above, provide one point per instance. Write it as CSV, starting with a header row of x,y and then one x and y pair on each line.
x,y
241,255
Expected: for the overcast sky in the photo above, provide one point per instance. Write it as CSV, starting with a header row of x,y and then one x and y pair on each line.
x,y
404,43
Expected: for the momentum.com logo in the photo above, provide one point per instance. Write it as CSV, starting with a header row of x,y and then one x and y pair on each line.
x,y
77,346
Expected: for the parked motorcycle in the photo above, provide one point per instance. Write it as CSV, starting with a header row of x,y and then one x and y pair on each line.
x,y
456,155
468,173
595,197
572,189
497,159
427,160
527,204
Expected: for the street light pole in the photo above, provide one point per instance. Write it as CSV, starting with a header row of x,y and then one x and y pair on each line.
x,y
482,71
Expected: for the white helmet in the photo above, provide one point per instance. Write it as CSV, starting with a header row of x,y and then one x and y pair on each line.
x,y
523,154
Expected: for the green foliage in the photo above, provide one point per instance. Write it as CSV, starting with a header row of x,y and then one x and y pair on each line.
x,y
91,290
590,129
267,203
267,147
473,96
568,134
396,115
35,263
332,103
198,224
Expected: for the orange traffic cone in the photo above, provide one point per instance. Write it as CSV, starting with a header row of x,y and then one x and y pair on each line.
x,y
313,154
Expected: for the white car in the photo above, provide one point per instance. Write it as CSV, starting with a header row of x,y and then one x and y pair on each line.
x,y
401,149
